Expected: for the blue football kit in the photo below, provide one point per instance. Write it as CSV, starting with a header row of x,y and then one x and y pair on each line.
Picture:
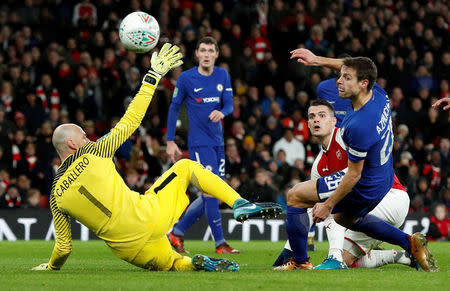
x,y
202,95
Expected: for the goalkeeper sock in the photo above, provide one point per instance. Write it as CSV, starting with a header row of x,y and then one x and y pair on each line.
x,y
206,181
214,219
335,234
297,227
193,213
183,264
381,230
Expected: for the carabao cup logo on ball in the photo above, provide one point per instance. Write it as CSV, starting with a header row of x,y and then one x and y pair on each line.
x,y
139,32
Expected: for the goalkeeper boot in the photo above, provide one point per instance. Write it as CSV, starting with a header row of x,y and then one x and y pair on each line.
x,y
331,263
420,252
243,210
208,264
177,241
294,265
283,258
226,249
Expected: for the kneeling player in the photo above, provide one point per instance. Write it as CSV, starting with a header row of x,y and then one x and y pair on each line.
x,y
333,158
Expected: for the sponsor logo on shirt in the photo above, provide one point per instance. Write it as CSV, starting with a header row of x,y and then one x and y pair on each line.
x,y
208,100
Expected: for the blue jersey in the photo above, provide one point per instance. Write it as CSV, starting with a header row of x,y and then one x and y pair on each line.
x,y
328,90
368,136
202,95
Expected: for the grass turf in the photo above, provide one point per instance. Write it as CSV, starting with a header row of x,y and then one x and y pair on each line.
x,y
93,267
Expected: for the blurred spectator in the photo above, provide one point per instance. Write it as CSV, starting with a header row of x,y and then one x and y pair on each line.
x,y
439,228
11,198
33,199
293,148
259,189
23,185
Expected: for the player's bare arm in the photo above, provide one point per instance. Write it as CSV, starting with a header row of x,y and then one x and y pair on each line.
x,y
308,58
322,210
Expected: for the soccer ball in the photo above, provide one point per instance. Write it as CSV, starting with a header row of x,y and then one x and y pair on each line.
x,y
139,32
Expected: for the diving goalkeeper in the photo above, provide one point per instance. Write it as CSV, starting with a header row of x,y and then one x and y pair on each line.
x,y
88,188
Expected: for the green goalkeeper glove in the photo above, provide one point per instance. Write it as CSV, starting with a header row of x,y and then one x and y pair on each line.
x,y
41,267
167,58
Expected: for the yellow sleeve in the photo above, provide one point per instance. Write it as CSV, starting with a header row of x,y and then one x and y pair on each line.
x,y
63,244
107,145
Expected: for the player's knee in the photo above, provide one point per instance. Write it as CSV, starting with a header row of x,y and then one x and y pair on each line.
x,y
344,220
294,199
183,163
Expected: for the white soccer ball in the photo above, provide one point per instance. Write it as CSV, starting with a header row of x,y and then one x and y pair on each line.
x,y
139,32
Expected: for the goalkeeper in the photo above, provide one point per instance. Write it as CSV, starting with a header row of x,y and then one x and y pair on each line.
x,y
88,188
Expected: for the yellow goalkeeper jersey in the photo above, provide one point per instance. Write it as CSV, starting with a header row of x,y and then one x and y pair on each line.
x,y
88,188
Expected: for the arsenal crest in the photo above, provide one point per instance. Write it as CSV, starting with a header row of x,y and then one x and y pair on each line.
x,y
339,155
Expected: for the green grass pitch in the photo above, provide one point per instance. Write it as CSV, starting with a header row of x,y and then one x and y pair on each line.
x,y
93,267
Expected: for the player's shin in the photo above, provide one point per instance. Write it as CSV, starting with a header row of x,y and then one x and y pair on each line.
x,y
214,219
381,230
193,213
378,258
335,235
297,227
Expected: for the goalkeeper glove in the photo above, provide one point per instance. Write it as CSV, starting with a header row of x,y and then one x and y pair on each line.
x,y
167,58
41,267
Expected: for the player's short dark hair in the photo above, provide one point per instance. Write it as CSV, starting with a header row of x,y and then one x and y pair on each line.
x,y
318,102
365,69
208,40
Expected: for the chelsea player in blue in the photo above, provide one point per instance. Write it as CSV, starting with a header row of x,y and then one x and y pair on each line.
x,y
367,133
208,96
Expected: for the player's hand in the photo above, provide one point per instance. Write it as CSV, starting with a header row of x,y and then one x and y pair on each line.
x,y
216,116
442,102
321,211
173,151
41,267
168,58
304,56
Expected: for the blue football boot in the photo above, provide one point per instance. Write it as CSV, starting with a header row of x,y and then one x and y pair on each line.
x,y
243,209
330,263
209,264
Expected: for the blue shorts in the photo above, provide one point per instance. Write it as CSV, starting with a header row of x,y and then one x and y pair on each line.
x,y
211,157
353,204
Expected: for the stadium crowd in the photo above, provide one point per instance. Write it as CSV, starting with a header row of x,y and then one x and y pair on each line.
x,y
62,61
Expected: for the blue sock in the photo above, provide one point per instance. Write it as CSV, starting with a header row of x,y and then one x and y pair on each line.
x,y
194,212
214,219
297,227
381,230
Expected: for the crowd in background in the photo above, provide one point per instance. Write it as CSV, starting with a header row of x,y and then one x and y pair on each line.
x,y
62,61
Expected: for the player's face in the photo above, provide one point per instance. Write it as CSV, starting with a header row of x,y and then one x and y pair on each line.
x,y
348,84
321,121
207,55
80,138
